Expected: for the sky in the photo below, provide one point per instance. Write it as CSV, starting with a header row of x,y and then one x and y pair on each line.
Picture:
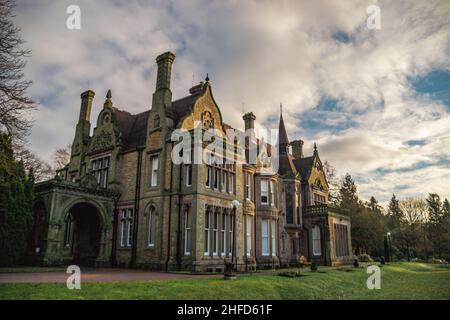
x,y
376,101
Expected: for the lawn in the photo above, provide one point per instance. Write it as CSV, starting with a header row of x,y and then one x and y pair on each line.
x,y
398,281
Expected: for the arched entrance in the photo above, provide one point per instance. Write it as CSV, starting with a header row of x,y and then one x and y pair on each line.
x,y
83,233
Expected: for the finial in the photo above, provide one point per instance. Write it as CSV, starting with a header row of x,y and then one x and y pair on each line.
x,y
281,108
315,147
207,78
108,102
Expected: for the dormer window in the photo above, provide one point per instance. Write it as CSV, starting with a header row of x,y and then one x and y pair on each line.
x,y
156,121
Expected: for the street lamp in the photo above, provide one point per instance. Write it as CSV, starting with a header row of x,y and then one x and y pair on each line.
x,y
229,266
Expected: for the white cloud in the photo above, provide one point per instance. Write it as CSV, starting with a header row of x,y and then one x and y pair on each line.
x,y
260,53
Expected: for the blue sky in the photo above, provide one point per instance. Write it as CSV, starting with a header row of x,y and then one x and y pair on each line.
x,y
377,102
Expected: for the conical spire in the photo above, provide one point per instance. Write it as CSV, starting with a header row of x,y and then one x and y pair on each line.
x,y
283,138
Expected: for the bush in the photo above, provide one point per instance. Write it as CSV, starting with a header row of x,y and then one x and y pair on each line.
x,y
365,258
438,261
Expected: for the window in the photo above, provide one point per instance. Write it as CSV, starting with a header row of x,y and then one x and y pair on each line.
x,y
230,234
272,193
224,234
224,181
207,234
341,240
319,199
151,227
216,178
188,168
316,241
265,237
187,233
273,233
248,179
156,121
248,234
216,234
232,183
130,228
68,231
154,171
264,192
99,169
126,227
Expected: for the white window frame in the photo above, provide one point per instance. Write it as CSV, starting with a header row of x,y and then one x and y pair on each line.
x,y
265,244
248,189
207,233
316,241
215,234
188,168
100,169
130,228
248,234
154,168
272,193
224,234
264,191
187,233
273,233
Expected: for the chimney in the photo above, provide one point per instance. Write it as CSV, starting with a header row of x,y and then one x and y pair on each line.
x,y
297,148
249,119
164,62
86,105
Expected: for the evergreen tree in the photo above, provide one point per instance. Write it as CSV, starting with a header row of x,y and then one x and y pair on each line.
x,y
435,221
16,205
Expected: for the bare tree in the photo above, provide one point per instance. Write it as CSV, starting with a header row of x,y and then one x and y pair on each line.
x,y
333,183
14,102
42,170
61,157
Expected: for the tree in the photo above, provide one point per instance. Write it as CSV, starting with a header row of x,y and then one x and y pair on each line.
x,y
14,103
16,204
61,157
435,221
348,197
413,211
333,183
41,169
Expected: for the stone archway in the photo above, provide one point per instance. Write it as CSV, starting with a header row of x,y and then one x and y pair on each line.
x,y
85,229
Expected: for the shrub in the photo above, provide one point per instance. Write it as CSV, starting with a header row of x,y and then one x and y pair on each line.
x,y
364,258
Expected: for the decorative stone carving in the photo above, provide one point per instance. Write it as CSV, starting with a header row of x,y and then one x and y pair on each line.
x,y
207,120
102,141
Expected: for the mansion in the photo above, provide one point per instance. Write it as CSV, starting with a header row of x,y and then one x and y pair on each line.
x,y
122,201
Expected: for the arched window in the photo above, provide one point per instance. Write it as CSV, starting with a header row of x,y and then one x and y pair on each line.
x,y
316,245
156,121
151,226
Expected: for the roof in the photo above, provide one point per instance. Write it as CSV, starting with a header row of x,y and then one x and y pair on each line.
x,y
133,128
286,165
283,138
304,166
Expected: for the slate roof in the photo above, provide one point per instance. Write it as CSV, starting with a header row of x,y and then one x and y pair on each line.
x,y
133,128
304,166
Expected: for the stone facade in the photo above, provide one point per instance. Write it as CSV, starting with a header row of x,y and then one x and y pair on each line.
x,y
122,200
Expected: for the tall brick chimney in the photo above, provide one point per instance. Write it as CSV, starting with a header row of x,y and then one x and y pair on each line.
x,y
164,62
297,148
86,105
249,119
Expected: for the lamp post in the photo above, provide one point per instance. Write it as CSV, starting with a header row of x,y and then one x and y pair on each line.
x,y
229,273
389,246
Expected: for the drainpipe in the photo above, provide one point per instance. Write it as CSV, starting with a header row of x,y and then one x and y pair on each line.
x,y
114,236
179,218
137,195
169,213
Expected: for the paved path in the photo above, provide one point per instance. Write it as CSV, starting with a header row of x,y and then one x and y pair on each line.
x,y
97,275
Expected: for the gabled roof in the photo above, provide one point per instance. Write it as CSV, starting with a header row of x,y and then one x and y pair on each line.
x,y
304,166
133,128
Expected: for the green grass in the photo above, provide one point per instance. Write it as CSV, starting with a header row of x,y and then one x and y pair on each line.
x,y
398,281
